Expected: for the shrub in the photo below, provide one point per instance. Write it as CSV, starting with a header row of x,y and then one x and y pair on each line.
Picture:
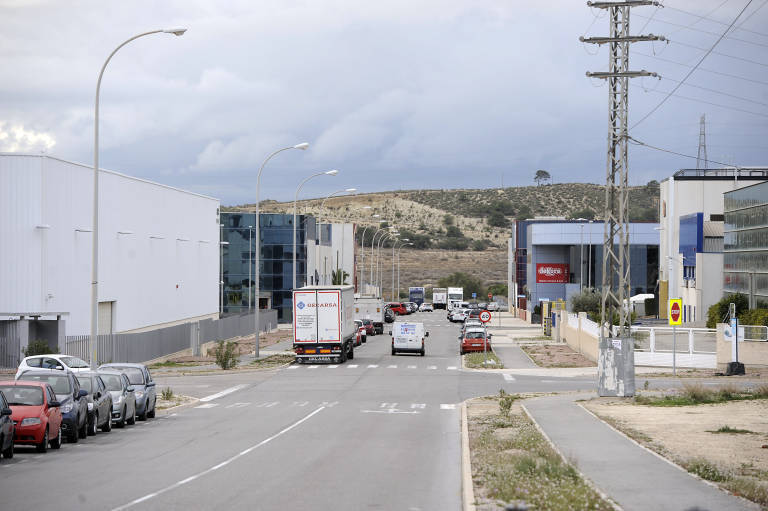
x,y
706,470
761,391
497,219
588,301
697,393
754,317
167,393
505,402
719,311
39,347
226,354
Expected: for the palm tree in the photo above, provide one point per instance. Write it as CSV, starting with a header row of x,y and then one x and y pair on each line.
x,y
339,277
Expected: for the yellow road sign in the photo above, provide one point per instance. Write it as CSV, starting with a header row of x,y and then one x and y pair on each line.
x,y
675,311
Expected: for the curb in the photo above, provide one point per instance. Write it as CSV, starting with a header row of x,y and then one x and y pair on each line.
x,y
587,480
467,488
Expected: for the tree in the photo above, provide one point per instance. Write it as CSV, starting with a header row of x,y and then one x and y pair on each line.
x,y
586,213
448,220
523,213
587,301
497,219
718,312
339,277
541,175
453,232
461,279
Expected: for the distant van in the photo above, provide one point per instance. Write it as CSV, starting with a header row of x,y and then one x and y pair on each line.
x,y
408,338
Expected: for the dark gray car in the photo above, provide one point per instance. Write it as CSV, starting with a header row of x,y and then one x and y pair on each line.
x,y
141,379
123,399
7,429
99,402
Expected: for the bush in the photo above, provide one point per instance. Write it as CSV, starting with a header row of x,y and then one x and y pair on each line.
x,y
497,219
167,393
718,313
754,317
588,301
226,354
39,347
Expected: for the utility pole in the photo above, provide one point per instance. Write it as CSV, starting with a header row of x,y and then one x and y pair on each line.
x,y
616,274
701,157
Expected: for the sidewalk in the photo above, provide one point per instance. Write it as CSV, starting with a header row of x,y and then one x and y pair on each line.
x,y
632,476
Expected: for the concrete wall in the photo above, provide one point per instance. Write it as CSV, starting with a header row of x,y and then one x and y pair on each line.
x,y
753,354
577,338
158,246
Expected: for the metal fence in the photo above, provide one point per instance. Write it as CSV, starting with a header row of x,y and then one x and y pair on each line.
x,y
755,333
10,344
692,347
143,346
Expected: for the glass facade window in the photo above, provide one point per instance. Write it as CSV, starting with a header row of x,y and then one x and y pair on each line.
x,y
746,243
275,262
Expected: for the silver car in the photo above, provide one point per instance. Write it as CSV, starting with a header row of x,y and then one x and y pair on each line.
x,y
141,380
123,397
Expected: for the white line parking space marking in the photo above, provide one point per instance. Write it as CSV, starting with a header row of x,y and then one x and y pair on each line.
x,y
372,366
207,405
237,405
452,368
418,405
223,393
509,377
216,467
448,406
352,366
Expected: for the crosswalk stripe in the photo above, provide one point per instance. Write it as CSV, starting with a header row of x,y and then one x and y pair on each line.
x,y
333,366
352,366
392,367
448,406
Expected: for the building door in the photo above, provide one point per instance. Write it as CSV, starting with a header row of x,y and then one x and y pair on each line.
x,y
105,317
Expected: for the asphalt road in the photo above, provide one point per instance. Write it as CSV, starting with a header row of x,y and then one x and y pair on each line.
x,y
379,432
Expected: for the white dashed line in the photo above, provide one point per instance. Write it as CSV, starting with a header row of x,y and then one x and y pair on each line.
x,y
418,405
432,367
332,366
352,366
207,405
223,393
452,368
237,405
293,367
411,367
313,367
392,367
372,366
448,406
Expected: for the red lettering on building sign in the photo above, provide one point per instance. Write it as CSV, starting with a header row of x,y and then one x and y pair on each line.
x,y
549,273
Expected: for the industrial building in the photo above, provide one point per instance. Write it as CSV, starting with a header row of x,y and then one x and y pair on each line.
x,y
158,249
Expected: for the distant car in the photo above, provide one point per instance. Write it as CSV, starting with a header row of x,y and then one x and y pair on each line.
x,y
123,399
426,307
472,323
492,306
362,333
72,400
7,428
474,339
458,315
369,328
144,387
35,412
52,362
398,308
474,313
389,316
411,306
99,402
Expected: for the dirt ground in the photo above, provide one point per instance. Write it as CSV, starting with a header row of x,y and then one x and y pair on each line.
x,y
244,346
685,432
556,355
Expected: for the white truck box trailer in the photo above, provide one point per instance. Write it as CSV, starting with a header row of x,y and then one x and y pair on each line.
x,y
324,323
440,297
369,307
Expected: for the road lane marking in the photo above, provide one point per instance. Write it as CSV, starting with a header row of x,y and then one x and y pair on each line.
x,y
329,404
293,367
411,367
273,403
453,368
388,405
392,411
352,366
332,366
372,366
393,366
418,405
509,377
223,393
216,467
300,403
238,405
549,381
432,367
208,405
448,406
313,367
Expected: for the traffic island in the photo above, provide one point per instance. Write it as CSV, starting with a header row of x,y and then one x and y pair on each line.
x,y
556,355
512,461
719,435
482,360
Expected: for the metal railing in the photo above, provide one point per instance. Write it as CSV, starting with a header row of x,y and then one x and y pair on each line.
x,y
755,333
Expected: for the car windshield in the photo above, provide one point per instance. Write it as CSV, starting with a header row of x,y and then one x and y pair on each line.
x,y
134,374
367,322
475,335
75,363
85,383
60,383
22,395
112,381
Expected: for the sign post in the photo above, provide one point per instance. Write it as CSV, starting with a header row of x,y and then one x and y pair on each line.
x,y
485,317
675,318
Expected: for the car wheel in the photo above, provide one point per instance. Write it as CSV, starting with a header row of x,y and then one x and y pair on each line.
x,y
107,426
8,453
121,422
43,446
151,413
83,431
422,353
143,415
56,442
92,425
393,351
132,419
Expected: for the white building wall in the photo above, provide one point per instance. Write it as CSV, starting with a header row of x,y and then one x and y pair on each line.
x,y
162,269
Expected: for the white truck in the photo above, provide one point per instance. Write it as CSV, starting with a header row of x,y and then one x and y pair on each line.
x,y
324,323
440,298
455,297
408,338
371,308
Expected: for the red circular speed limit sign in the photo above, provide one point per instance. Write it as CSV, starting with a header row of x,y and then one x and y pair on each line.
x,y
485,316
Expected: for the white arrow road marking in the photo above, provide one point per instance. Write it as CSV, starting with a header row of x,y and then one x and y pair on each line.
x,y
223,393
215,467
448,406
509,377
207,405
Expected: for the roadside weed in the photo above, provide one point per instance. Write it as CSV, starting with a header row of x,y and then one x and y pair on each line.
x,y
761,391
728,429
226,354
167,393
706,470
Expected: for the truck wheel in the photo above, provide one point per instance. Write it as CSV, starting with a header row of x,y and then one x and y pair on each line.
x,y
343,356
351,353
393,352
422,353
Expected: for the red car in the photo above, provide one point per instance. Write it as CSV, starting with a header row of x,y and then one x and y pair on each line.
x,y
398,308
36,413
369,328
475,339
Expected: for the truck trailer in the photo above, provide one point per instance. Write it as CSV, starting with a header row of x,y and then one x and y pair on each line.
x,y
416,295
369,307
440,298
324,324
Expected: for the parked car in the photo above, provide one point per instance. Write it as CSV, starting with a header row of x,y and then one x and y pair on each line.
x,y
389,316
369,328
73,401
398,308
52,362
7,428
144,387
123,398
493,306
362,333
426,307
99,402
35,412
474,339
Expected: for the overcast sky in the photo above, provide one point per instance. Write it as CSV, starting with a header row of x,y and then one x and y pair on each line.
x,y
397,94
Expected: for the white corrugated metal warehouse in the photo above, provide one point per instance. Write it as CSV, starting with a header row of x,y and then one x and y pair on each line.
x,y
158,247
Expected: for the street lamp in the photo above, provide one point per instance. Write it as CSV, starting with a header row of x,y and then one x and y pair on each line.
x,y
303,147
318,227
379,278
398,267
373,240
295,199
393,267
362,254
95,247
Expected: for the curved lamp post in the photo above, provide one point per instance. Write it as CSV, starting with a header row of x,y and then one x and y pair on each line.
x,y
362,255
295,199
374,276
257,260
322,205
394,245
95,247
379,279
398,267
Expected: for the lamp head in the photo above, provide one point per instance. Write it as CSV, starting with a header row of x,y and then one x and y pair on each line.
x,y
303,146
174,31
332,172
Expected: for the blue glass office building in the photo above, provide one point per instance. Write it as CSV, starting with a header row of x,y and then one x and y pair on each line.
x,y
276,260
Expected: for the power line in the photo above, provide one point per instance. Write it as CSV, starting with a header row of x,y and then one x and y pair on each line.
x,y
707,102
720,53
634,141
706,17
703,68
694,68
688,27
717,92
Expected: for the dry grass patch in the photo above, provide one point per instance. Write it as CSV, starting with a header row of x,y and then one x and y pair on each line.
x,y
556,355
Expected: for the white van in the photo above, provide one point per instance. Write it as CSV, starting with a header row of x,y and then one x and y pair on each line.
x,y
408,338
